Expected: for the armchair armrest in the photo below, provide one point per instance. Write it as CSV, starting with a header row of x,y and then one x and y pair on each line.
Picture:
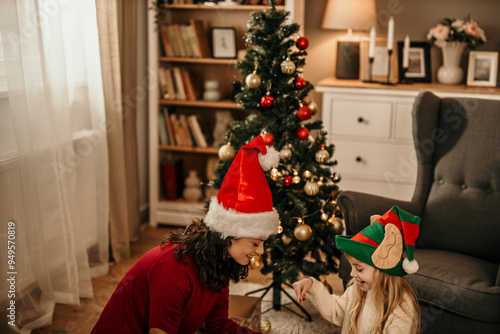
x,y
358,207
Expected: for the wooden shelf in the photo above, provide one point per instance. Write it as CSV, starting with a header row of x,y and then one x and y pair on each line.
x,y
218,7
416,86
207,150
213,61
202,104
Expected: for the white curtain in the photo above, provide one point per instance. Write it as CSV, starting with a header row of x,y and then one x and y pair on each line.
x,y
53,159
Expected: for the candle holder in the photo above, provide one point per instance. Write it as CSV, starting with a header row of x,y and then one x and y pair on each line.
x,y
403,79
389,58
370,72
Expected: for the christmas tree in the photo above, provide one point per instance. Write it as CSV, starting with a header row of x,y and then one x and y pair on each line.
x,y
274,95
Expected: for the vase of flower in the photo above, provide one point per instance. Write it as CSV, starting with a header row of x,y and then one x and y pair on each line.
x,y
453,36
450,73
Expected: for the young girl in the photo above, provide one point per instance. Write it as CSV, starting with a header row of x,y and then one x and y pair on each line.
x,y
378,299
182,284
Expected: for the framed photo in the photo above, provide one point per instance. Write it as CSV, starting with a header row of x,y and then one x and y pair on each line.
x,y
380,65
419,62
223,42
482,69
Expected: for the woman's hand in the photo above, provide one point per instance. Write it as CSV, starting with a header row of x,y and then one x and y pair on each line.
x,y
301,287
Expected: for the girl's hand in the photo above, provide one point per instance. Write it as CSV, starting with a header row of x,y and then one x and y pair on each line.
x,y
301,287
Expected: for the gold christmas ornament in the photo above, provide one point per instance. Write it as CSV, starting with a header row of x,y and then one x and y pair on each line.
x,y
302,232
322,155
296,177
320,182
307,174
255,262
265,326
280,229
253,80
285,153
336,177
311,188
313,106
287,66
338,227
226,152
324,216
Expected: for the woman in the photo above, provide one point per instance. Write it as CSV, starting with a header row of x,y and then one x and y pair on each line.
x,y
178,286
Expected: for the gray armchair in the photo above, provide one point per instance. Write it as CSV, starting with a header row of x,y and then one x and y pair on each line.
x,y
457,195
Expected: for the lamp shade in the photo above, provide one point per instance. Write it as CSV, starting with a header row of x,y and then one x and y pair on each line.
x,y
349,14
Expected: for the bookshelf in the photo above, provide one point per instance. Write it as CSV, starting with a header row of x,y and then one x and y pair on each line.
x,y
201,68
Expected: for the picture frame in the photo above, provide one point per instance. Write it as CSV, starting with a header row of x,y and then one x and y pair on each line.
x,y
482,69
223,42
419,68
380,66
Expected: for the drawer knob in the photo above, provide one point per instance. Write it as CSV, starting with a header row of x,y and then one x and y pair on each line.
x,y
361,119
358,159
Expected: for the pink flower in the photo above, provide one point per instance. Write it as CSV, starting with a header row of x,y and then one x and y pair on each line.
x,y
472,29
440,32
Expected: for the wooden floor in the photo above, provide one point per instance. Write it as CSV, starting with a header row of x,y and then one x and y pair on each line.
x,y
75,319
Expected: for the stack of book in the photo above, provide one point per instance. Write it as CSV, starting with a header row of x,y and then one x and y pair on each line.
x,y
182,130
185,40
177,84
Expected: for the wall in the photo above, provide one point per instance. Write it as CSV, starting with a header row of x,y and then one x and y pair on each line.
x,y
413,17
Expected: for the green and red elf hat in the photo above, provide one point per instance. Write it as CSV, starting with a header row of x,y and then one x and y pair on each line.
x,y
381,244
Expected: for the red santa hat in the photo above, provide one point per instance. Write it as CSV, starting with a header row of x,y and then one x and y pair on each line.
x,y
243,208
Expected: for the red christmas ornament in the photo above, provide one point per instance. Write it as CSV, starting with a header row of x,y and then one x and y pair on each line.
x,y
302,43
304,113
288,181
268,138
299,83
303,133
267,101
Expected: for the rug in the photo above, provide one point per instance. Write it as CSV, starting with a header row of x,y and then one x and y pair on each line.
x,y
284,321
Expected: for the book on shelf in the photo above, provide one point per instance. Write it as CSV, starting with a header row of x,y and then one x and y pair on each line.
x,y
165,41
198,135
172,177
181,93
162,129
201,38
168,127
186,133
176,131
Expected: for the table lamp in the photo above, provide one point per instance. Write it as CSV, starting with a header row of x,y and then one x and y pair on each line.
x,y
349,15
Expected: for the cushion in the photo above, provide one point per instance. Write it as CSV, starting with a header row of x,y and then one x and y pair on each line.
x,y
461,284
462,213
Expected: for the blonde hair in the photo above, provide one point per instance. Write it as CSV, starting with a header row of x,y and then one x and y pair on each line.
x,y
389,292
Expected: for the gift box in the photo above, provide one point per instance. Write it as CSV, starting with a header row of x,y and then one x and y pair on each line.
x,y
245,311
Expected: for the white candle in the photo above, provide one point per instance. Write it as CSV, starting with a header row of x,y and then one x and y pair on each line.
x,y
390,34
406,52
371,47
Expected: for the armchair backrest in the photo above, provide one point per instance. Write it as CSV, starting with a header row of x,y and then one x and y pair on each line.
x,y
457,141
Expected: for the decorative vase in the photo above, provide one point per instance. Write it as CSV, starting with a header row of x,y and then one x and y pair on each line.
x,y
451,73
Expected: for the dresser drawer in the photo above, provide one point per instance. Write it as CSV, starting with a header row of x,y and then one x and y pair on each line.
x,y
388,162
361,118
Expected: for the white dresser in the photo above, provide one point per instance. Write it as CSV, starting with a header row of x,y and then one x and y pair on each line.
x,y
371,128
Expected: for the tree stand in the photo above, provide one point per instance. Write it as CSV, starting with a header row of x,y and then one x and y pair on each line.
x,y
277,289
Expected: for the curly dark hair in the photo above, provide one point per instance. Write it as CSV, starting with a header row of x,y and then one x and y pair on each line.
x,y
210,252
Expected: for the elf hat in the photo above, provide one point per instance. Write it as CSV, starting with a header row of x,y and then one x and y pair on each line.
x,y
243,208
381,243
